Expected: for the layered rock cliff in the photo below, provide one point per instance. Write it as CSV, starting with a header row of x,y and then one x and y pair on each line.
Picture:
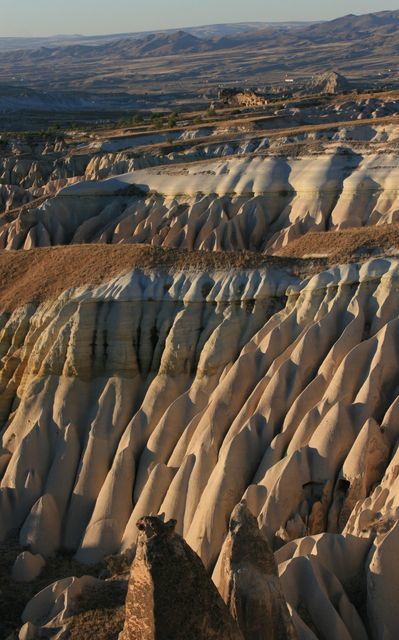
x,y
183,392
256,203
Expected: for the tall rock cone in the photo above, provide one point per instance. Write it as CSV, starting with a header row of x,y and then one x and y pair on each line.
x,y
249,582
170,595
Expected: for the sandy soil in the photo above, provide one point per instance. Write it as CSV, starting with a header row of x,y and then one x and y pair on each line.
x,y
345,245
41,274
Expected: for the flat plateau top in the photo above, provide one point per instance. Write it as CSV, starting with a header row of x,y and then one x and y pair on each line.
x,y
43,274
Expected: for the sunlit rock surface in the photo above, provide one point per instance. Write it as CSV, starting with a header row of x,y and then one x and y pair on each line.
x,y
184,393
253,202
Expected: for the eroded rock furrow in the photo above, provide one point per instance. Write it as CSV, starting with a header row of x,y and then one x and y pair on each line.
x,y
182,393
255,203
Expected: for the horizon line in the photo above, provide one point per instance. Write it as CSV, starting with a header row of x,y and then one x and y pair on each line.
x,y
184,28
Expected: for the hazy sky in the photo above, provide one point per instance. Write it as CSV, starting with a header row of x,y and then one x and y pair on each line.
x,y
45,17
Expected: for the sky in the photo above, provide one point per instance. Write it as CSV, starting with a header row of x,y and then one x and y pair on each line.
x,y
50,17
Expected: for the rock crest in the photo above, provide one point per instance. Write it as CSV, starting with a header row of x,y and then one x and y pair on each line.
x,y
170,594
249,582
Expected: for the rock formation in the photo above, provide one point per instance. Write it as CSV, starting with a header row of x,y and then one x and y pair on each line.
x,y
183,392
330,82
27,567
49,612
235,204
158,379
248,581
241,97
170,595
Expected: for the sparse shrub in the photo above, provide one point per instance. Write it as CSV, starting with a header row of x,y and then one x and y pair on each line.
x,y
119,563
172,120
157,123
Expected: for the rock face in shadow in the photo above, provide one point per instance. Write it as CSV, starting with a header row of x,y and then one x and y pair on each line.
x,y
249,582
170,595
383,585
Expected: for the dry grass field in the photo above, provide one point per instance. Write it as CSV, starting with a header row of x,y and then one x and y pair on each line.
x,y
43,274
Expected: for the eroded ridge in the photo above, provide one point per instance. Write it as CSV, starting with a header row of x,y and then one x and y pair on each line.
x,y
183,393
248,203
170,594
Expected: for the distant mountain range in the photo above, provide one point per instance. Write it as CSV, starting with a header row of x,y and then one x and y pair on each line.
x,y
198,58
205,31
199,39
